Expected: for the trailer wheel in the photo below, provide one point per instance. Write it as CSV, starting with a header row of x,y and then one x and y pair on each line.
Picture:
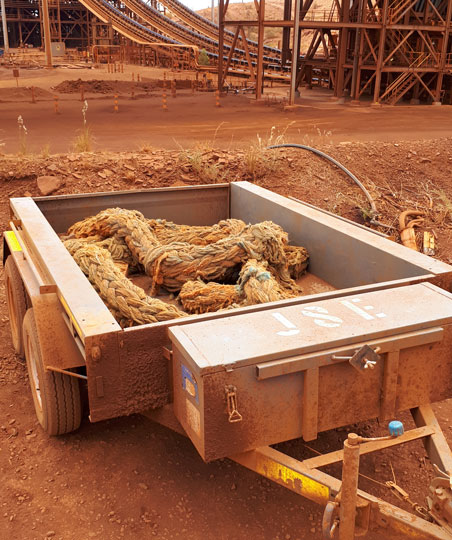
x,y
16,299
56,396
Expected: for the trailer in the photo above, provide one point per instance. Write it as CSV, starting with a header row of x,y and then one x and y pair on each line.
x,y
371,337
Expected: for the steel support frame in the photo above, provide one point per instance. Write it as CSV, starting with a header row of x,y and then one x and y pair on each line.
x,y
69,22
375,38
380,42
239,40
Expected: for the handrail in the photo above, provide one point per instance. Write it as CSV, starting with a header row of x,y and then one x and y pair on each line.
x,y
404,76
322,15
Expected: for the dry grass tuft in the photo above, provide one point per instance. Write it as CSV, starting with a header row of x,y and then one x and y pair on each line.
x,y
84,140
146,147
259,160
45,151
23,133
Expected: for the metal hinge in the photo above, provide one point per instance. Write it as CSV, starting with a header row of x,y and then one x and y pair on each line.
x,y
167,354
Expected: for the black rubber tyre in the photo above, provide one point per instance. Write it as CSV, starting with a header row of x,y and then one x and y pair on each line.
x,y
56,396
16,299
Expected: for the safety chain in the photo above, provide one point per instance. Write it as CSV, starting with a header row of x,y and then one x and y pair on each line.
x,y
403,496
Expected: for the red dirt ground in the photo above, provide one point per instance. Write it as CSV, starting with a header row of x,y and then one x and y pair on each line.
x,y
133,479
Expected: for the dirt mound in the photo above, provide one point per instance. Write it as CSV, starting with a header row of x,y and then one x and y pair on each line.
x,y
23,94
96,86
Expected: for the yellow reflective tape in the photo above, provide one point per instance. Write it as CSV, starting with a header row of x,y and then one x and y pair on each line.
x,y
69,312
12,240
296,481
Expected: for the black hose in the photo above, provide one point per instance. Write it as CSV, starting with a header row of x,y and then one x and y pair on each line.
x,y
373,207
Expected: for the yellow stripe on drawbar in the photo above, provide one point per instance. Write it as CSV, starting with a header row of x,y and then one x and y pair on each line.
x,y
69,312
298,482
12,240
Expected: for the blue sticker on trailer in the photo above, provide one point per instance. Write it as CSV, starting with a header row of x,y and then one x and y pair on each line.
x,y
189,383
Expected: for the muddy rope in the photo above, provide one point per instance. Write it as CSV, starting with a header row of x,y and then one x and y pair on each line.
x,y
128,226
168,232
116,246
172,265
296,258
199,297
129,303
256,285
200,267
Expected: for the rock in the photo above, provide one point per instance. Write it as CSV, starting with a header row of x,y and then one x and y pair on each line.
x,y
52,167
424,160
27,194
49,534
49,184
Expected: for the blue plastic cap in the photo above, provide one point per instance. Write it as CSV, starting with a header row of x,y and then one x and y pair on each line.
x,y
395,428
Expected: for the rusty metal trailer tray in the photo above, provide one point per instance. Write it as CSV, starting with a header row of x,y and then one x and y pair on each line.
x,y
296,364
126,368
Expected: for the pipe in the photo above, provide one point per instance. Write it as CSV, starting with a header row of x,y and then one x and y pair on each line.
x,y
373,207
47,40
295,52
349,488
354,89
5,27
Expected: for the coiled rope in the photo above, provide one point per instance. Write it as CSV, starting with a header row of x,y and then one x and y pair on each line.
x,y
201,267
129,303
